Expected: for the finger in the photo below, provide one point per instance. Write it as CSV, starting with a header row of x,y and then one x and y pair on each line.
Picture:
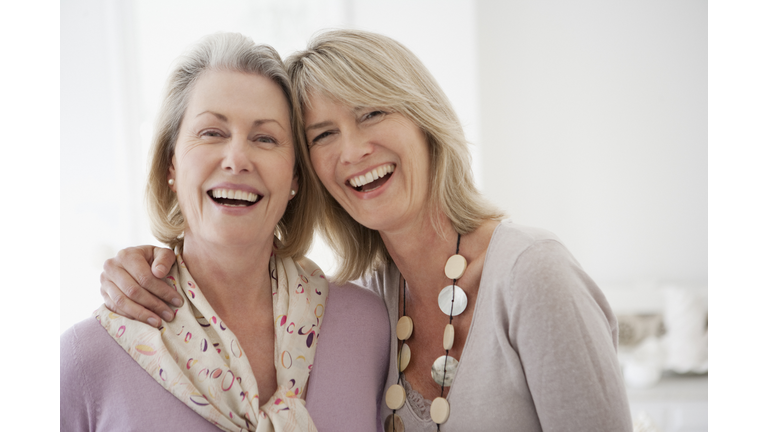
x,y
120,304
128,286
136,262
162,261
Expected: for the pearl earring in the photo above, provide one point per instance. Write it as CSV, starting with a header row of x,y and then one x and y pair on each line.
x,y
293,192
170,182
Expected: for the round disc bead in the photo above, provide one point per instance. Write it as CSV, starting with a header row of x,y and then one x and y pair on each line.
x,y
404,328
394,423
395,397
444,370
456,294
455,266
440,410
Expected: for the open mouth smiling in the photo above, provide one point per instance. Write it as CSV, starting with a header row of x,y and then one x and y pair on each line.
x,y
234,198
373,179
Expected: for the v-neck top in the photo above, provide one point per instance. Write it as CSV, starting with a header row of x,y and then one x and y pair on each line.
x,y
540,353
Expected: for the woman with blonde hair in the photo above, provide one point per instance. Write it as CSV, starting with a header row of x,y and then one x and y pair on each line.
x,y
494,325
228,193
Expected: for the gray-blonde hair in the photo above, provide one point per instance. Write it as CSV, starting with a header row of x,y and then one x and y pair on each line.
x,y
237,53
360,68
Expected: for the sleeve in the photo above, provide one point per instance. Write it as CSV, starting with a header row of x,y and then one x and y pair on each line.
x,y
565,334
73,392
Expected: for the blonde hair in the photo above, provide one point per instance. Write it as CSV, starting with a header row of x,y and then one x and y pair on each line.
x,y
237,53
361,68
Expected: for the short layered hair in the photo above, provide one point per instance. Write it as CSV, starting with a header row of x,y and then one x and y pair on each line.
x,y
359,68
235,53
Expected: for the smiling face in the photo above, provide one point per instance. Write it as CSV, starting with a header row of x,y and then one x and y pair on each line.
x,y
233,165
375,163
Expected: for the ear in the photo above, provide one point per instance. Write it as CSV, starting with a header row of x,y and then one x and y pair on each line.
x,y
295,185
172,173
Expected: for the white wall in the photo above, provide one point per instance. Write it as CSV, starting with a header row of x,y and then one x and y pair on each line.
x,y
98,170
589,117
115,56
595,114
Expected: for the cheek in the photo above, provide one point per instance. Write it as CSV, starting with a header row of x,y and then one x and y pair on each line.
x,y
276,169
323,167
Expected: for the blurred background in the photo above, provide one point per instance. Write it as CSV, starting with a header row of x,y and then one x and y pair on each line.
x,y
587,118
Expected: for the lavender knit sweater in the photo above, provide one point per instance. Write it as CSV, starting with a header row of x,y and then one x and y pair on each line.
x,y
102,388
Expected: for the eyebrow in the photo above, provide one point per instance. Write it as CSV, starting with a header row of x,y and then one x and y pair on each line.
x,y
318,125
224,118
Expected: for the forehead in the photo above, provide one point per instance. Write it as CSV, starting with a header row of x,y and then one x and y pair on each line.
x,y
238,93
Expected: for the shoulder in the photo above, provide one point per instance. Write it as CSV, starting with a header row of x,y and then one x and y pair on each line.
x,y
517,249
354,318
532,274
81,342
380,280
90,357
512,240
87,355
355,305
530,267
82,358
354,293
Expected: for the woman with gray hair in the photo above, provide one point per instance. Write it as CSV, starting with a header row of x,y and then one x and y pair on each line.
x,y
494,325
228,193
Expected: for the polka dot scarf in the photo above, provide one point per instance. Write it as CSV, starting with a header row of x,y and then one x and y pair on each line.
x,y
200,361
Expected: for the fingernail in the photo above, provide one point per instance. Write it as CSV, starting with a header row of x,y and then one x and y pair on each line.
x,y
167,316
163,269
153,321
176,302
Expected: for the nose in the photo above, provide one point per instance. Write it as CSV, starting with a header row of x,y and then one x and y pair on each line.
x,y
354,147
237,156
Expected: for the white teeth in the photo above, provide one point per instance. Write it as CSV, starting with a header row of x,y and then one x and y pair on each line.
x,y
372,175
233,194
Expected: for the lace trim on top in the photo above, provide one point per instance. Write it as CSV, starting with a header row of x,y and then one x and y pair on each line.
x,y
418,403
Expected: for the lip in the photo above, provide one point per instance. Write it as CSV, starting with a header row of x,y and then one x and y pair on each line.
x,y
376,192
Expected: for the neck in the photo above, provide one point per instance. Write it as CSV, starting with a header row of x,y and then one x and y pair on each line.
x,y
420,253
232,278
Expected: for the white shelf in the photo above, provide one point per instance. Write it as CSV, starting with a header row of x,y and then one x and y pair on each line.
x,y
677,403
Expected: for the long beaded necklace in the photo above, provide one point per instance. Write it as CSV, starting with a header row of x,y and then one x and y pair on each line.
x,y
452,300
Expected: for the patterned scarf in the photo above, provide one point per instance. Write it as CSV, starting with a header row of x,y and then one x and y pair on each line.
x,y
200,361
